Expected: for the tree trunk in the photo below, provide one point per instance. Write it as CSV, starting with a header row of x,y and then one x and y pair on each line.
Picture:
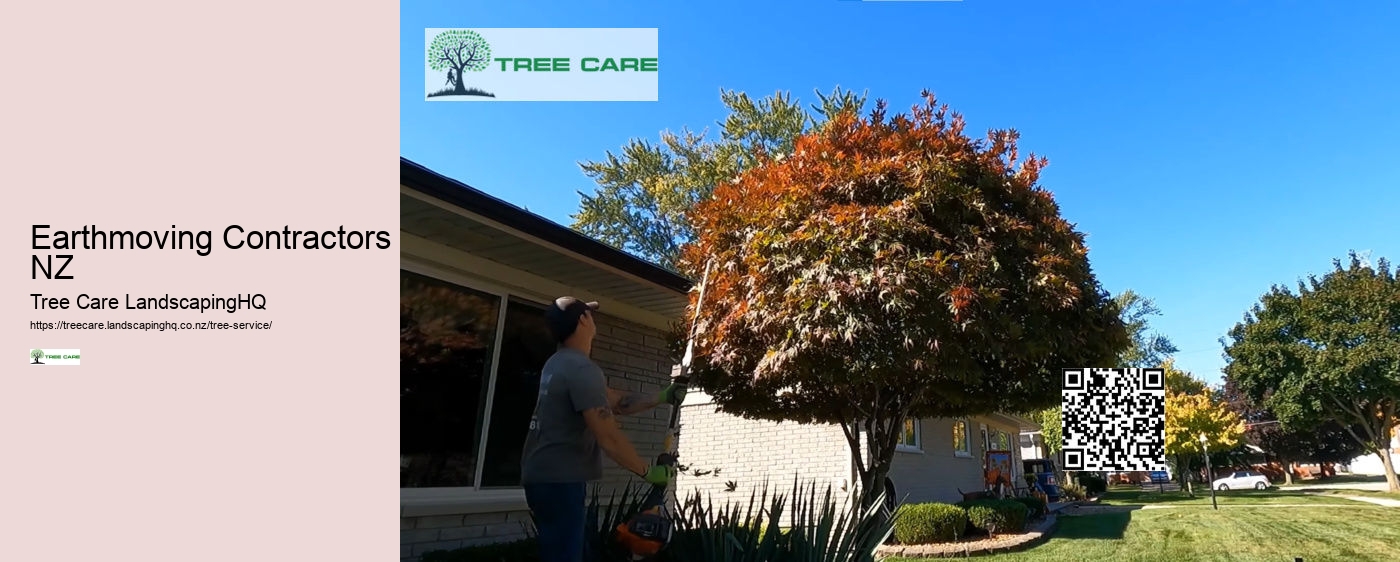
x,y
1287,472
461,85
1390,478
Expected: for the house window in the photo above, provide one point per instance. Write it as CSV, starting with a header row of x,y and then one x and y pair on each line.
x,y
909,440
469,366
962,442
1026,442
1003,441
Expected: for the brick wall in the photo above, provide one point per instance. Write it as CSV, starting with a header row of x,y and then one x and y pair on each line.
x,y
749,451
635,359
446,532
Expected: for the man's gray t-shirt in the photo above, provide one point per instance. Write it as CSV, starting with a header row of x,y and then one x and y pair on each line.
x,y
559,446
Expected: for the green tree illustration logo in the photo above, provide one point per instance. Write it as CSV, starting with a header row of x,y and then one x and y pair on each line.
x,y
36,354
457,51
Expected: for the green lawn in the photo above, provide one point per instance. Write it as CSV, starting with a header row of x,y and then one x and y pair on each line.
x,y
1244,529
1361,493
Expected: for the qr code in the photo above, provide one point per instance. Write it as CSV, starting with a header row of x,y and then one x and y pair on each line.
x,y
1114,419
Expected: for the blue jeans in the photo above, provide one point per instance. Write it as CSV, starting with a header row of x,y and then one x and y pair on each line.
x,y
559,520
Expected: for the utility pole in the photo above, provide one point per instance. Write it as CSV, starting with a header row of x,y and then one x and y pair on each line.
x,y
1209,480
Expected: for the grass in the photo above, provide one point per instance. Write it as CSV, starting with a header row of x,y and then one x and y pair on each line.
x,y
1243,530
1360,493
469,92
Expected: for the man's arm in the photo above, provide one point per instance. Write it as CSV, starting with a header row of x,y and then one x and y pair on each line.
x,y
613,441
628,403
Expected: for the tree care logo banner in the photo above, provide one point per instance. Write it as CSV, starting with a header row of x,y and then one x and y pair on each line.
x,y
541,64
54,357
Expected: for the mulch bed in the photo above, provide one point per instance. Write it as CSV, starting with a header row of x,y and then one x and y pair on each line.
x,y
1036,533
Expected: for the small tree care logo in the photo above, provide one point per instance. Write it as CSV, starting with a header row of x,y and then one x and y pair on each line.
x,y
50,357
459,51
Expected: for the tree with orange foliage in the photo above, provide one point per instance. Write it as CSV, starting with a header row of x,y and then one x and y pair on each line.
x,y
889,268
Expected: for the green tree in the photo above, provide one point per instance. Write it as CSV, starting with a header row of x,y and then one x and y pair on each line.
x,y
889,268
1051,429
457,51
36,354
1329,351
1149,348
1189,415
1324,442
644,193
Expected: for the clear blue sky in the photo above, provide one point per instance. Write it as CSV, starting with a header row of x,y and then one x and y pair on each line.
x,y
1208,149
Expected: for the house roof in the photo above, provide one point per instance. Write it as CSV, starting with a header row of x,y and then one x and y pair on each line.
x,y
478,233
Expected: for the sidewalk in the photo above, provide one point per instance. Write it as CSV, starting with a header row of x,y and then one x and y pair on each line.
x,y
1378,501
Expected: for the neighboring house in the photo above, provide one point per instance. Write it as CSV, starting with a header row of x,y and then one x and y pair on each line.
x,y
1371,463
1033,445
935,459
475,276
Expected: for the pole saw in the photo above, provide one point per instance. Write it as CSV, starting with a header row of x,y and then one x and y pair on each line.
x,y
645,534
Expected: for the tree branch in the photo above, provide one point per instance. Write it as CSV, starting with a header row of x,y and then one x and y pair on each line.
x,y
1369,445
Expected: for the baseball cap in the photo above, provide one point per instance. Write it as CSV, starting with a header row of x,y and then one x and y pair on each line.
x,y
563,316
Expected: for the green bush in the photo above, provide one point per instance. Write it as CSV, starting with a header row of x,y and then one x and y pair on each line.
x,y
1072,492
997,516
929,522
1035,505
526,550
985,518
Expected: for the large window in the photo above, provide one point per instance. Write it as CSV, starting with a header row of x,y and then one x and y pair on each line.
x,y
962,442
457,428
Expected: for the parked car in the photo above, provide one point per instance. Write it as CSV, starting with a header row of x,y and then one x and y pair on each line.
x,y
1044,471
1242,480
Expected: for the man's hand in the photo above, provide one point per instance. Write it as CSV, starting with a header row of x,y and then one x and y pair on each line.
x,y
673,394
659,475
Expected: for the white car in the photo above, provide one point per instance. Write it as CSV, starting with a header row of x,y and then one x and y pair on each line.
x,y
1242,480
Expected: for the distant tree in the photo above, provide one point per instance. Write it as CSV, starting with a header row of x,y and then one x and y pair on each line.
x,y
889,268
644,193
1150,348
1330,351
1051,429
1190,415
1182,382
1325,442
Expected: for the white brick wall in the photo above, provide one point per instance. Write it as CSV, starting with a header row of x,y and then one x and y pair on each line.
x,y
749,451
634,358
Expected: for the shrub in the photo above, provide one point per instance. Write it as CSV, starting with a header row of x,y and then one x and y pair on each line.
x,y
1072,492
1093,485
997,516
929,522
1035,505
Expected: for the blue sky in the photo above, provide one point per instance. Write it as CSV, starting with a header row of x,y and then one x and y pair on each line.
x,y
1208,149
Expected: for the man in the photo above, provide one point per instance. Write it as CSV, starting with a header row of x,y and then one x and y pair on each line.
x,y
573,426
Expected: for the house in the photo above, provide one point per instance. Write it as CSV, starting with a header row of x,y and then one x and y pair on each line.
x,y
731,457
1370,463
1033,446
475,274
